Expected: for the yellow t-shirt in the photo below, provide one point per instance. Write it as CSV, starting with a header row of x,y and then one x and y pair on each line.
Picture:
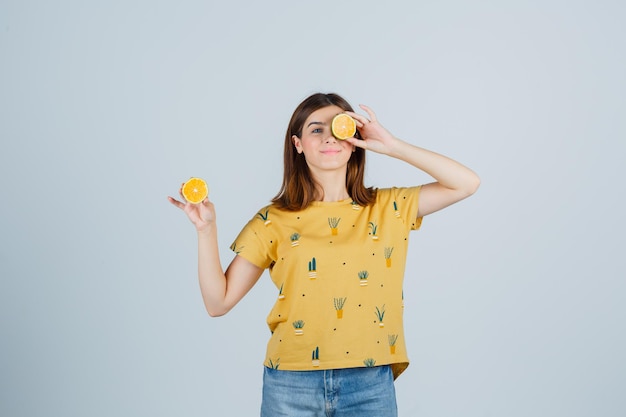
x,y
338,268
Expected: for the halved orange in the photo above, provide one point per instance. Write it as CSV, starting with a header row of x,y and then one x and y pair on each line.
x,y
195,190
343,126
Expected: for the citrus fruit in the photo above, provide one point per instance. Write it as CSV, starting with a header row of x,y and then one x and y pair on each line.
x,y
195,190
343,126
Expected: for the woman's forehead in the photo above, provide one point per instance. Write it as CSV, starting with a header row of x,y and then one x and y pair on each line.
x,y
325,114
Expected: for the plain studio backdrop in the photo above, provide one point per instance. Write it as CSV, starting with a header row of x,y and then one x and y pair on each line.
x,y
514,297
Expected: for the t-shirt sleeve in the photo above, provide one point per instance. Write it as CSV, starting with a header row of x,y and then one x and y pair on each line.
x,y
254,243
406,200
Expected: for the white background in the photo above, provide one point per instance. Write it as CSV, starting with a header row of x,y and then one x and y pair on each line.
x,y
514,297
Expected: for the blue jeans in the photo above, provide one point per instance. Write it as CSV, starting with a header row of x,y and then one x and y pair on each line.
x,y
358,392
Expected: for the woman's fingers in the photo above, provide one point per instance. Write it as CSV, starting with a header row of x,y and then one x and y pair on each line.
x,y
362,120
180,191
177,203
369,112
357,142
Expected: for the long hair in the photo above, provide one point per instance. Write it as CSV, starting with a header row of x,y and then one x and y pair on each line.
x,y
299,188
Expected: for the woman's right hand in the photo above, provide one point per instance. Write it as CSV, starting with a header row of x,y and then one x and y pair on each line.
x,y
202,215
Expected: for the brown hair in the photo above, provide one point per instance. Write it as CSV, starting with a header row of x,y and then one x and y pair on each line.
x,y
298,188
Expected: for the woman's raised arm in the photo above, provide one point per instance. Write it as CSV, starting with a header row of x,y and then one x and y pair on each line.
x,y
453,181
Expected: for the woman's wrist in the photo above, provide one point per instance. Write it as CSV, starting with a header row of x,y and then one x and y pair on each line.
x,y
205,229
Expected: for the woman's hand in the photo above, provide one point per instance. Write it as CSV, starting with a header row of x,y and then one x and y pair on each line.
x,y
202,215
374,136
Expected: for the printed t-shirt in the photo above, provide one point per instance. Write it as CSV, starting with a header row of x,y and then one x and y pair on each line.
x,y
338,268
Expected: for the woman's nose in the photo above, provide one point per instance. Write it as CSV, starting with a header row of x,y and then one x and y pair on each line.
x,y
330,138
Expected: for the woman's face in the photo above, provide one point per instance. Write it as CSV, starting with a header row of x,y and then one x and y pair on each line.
x,y
322,151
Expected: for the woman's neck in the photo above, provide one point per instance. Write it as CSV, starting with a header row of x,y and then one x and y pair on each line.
x,y
332,187
332,197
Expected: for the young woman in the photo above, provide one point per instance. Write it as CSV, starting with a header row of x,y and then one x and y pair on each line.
x,y
336,251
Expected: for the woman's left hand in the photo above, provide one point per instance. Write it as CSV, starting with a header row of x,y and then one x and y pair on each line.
x,y
374,136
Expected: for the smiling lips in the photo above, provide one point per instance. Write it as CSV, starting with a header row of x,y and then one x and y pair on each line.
x,y
331,151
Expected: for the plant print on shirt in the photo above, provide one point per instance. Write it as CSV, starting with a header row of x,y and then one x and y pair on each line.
x,y
333,222
315,357
312,268
396,212
380,315
363,275
369,362
339,303
265,217
373,230
298,327
388,252
273,364
392,339
281,296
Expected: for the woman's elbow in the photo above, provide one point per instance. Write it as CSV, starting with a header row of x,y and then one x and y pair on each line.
x,y
214,313
473,185
217,311
468,184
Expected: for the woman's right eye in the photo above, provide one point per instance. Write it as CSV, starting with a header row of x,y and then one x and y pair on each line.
x,y
318,130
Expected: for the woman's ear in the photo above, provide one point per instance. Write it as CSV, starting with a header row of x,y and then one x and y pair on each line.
x,y
296,143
